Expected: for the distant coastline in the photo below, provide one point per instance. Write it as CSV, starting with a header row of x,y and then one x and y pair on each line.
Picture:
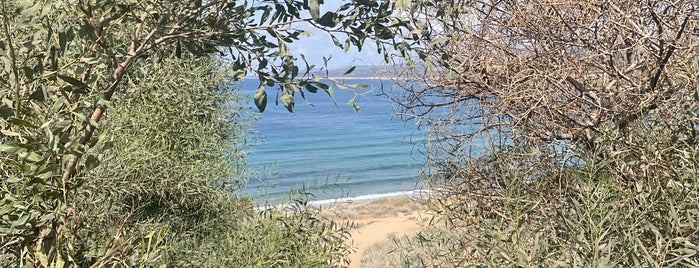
x,y
348,77
360,72
360,78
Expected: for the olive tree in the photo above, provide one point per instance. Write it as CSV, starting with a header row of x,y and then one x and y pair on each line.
x,y
63,64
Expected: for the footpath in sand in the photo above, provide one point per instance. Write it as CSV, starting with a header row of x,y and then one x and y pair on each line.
x,y
376,221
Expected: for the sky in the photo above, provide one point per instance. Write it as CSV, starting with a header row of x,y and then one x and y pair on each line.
x,y
319,45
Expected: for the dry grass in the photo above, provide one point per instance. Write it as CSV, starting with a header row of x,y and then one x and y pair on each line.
x,y
384,207
383,254
403,251
382,249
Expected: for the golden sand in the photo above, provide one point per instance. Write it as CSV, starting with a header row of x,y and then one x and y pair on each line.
x,y
377,220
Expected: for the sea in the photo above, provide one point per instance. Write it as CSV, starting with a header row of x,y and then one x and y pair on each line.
x,y
325,150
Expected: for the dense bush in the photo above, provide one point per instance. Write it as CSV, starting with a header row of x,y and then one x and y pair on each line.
x,y
80,190
293,238
591,221
174,165
564,133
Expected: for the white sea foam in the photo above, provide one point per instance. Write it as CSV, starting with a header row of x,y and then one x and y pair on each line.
x,y
370,197
352,199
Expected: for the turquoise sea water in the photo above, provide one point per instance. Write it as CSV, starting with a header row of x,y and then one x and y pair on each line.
x,y
331,150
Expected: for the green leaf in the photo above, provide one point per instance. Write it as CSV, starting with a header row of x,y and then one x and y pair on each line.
x,y
358,85
350,70
5,111
22,123
21,221
10,133
315,10
12,179
91,162
288,102
13,148
336,41
6,209
72,81
82,118
311,88
29,13
28,72
43,259
92,122
45,175
260,98
60,263
265,15
87,119
329,19
402,4
354,103
30,157
283,49
346,46
90,60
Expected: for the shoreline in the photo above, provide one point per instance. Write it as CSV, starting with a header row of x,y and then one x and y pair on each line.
x,y
375,221
419,194
359,199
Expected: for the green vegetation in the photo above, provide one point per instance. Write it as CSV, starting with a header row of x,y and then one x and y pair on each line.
x,y
121,131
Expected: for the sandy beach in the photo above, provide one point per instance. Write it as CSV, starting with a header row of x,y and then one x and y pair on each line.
x,y
377,222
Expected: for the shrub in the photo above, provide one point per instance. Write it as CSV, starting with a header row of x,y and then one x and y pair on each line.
x,y
563,133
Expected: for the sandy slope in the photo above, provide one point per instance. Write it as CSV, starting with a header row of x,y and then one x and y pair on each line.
x,y
375,224
378,229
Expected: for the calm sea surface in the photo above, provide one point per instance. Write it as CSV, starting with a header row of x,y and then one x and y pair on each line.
x,y
331,151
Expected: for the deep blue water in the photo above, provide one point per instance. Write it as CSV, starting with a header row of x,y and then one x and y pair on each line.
x,y
332,151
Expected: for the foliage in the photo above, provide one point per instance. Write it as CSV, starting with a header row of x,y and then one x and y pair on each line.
x,y
64,64
169,139
174,152
173,165
297,237
563,132
592,221
613,79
